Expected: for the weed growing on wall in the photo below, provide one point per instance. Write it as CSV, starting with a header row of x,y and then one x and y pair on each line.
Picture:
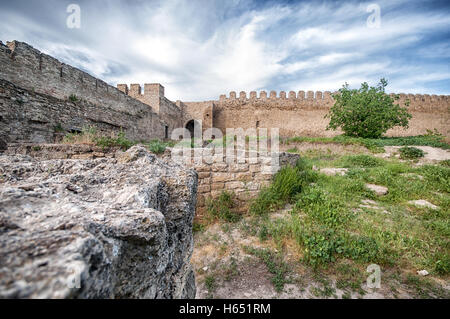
x,y
286,183
222,208
73,98
89,135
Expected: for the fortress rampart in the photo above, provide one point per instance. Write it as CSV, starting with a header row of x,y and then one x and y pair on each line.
x,y
303,113
36,72
153,95
145,113
27,116
319,99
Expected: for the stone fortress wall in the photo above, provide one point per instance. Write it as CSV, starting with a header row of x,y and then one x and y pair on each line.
x,y
27,116
145,113
302,113
243,177
153,95
39,76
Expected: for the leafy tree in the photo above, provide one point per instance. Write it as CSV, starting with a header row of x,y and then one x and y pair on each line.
x,y
366,112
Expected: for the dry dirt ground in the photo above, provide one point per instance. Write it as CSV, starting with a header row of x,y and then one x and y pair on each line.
x,y
432,154
224,268
225,271
323,148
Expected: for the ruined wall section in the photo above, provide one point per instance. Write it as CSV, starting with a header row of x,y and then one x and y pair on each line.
x,y
27,116
203,111
153,95
243,178
303,113
37,72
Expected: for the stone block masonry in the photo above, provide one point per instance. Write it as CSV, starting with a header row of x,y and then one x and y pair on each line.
x,y
27,116
153,95
38,76
303,113
244,180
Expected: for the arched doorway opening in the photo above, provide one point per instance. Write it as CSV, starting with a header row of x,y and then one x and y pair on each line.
x,y
190,125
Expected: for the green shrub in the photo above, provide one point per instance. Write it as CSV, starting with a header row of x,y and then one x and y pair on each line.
x,y
287,182
321,246
362,160
156,147
442,264
407,152
222,207
366,112
73,98
120,141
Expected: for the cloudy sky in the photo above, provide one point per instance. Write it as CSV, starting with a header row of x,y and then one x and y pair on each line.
x,y
199,49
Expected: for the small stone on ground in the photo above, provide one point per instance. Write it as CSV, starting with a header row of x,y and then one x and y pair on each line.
x,y
332,171
423,203
379,190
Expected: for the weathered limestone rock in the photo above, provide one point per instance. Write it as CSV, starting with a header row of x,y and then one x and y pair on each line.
x,y
423,204
422,272
377,189
331,171
3,144
102,228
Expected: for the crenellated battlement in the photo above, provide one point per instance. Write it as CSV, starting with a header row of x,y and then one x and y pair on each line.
x,y
152,94
301,95
325,99
150,90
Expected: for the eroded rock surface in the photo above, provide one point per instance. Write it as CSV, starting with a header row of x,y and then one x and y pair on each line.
x,y
115,228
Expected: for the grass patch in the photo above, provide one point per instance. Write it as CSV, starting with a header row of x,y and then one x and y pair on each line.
x,y
407,152
376,144
361,160
222,208
73,98
198,227
230,270
328,224
89,135
274,263
210,284
285,184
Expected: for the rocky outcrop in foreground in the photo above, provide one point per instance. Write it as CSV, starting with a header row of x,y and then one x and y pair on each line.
x,y
104,228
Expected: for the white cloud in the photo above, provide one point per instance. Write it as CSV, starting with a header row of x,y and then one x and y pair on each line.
x,y
199,50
